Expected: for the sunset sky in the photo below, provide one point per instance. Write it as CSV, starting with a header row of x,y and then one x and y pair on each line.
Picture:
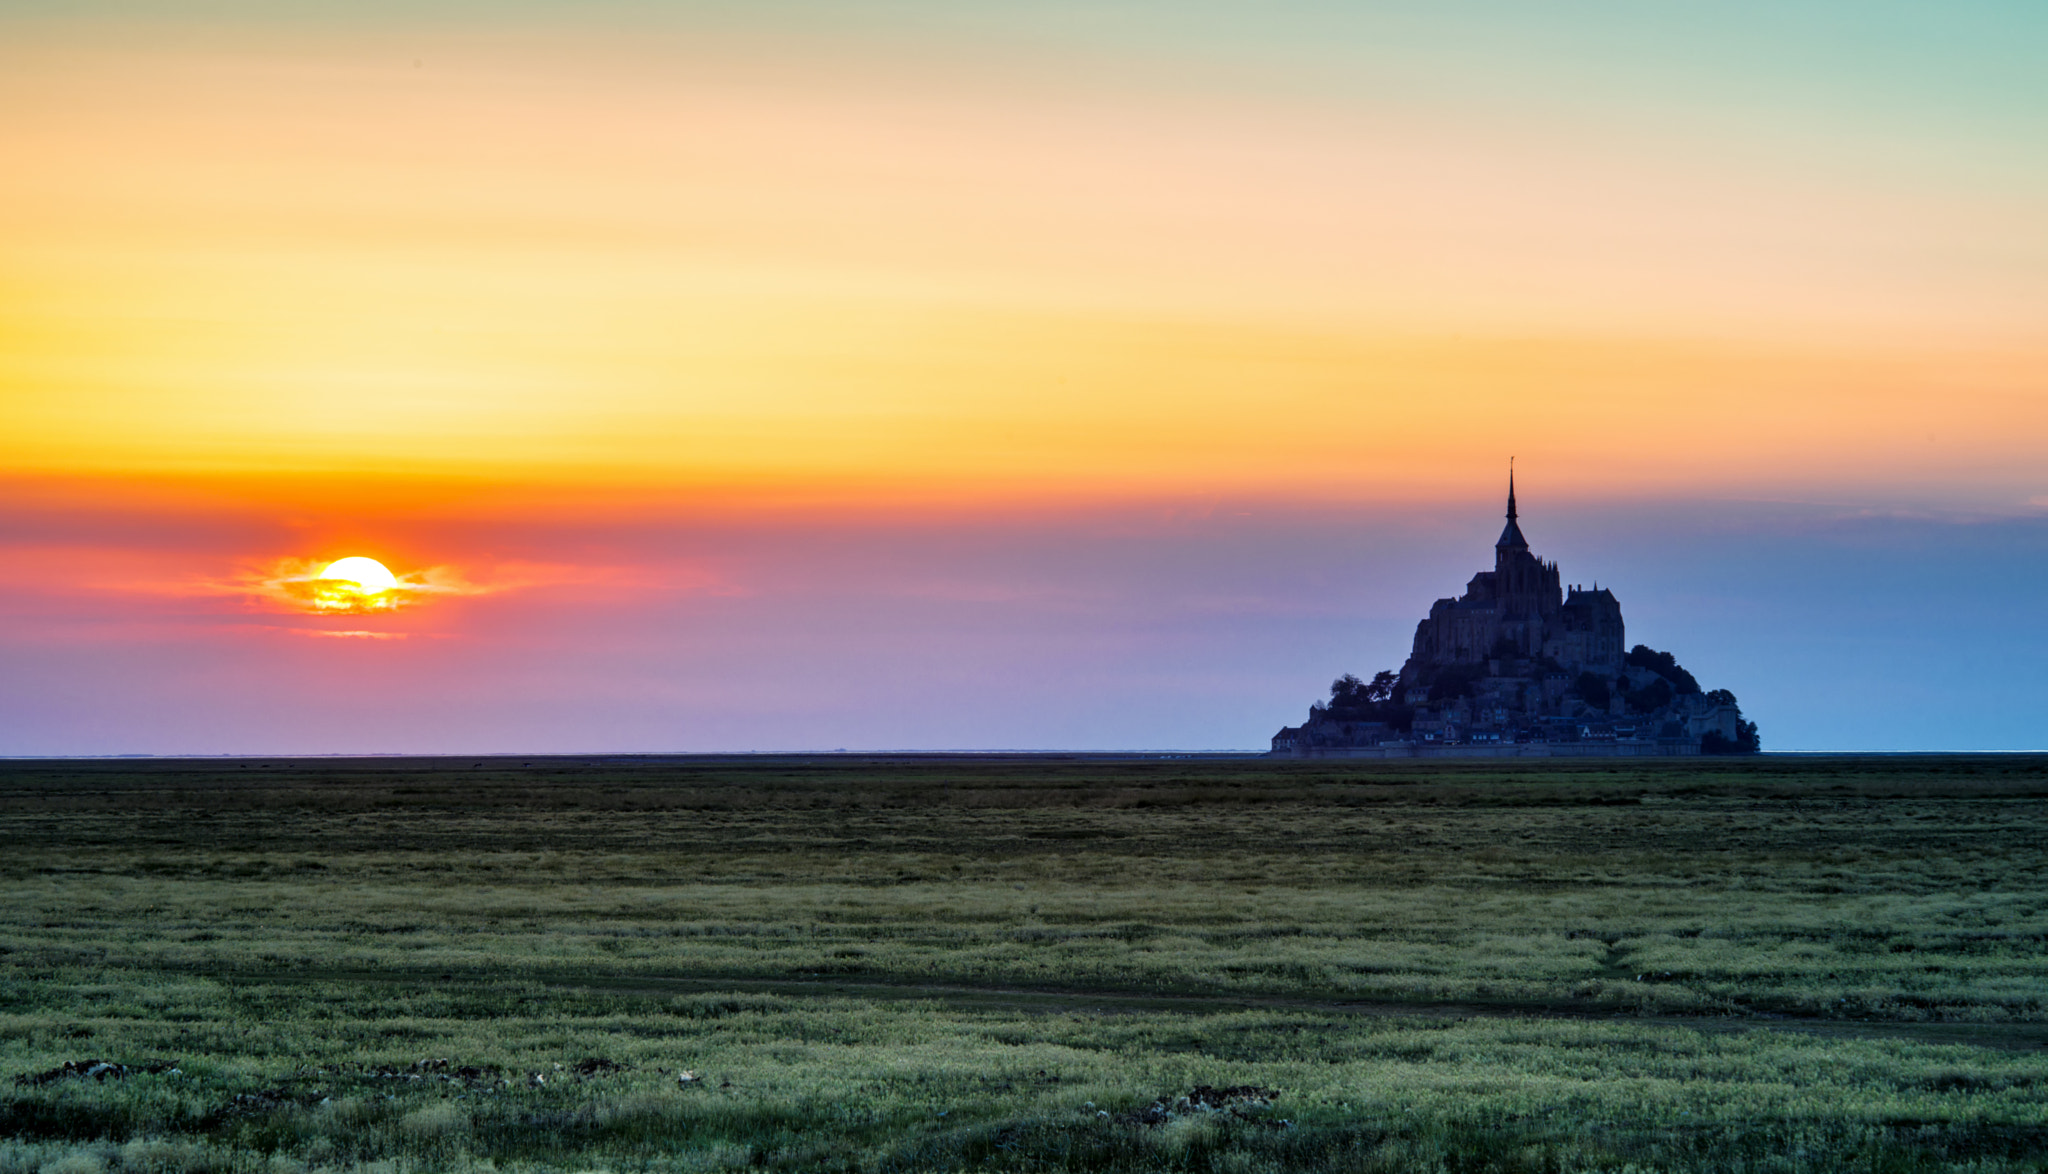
x,y
955,374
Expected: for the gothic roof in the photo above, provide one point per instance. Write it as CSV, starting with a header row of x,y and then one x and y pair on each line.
x,y
1511,538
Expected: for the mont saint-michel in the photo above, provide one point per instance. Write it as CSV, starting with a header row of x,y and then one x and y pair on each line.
x,y
1521,665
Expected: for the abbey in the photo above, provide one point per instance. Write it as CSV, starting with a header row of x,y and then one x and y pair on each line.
x,y
1518,610
1517,665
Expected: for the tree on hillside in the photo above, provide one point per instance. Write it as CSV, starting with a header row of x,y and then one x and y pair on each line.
x,y
1745,740
1381,689
1592,687
1346,691
1648,699
1665,665
1353,700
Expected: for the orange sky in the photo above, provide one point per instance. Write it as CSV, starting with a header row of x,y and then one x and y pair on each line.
x,y
693,266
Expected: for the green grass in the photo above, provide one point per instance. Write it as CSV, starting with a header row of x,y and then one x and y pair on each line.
x,y
1774,964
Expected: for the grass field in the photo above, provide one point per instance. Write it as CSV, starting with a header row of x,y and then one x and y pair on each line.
x,y
1025,964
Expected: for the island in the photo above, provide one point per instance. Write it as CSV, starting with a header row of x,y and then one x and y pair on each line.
x,y
1520,665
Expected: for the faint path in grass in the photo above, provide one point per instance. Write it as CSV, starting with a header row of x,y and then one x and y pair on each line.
x,y
2015,1037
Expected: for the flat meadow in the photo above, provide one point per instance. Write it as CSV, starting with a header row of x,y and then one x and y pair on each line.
x,y
1024,963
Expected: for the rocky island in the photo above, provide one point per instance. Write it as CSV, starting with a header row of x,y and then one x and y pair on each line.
x,y
1519,665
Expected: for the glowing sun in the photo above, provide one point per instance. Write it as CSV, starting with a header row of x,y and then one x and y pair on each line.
x,y
366,573
355,584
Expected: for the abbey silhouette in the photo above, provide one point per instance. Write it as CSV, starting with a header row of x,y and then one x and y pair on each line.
x,y
1519,665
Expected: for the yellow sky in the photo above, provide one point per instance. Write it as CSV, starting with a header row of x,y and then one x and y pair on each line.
x,y
586,262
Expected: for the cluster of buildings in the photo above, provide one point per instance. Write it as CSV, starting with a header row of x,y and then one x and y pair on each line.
x,y
1518,664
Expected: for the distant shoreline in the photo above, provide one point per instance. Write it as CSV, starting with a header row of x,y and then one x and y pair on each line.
x,y
657,757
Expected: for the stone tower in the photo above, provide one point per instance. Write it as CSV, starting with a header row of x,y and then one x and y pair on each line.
x,y
1519,610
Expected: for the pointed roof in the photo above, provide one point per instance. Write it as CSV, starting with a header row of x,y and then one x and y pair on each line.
x,y
1511,538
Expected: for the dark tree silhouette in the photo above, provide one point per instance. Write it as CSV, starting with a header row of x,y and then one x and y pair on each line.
x,y
1593,688
1665,665
1353,700
1650,698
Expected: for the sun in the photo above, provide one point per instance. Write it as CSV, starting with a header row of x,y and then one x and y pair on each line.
x,y
353,586
367,574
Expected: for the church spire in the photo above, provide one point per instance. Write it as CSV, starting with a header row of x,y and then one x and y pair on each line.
x,y
1511,537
